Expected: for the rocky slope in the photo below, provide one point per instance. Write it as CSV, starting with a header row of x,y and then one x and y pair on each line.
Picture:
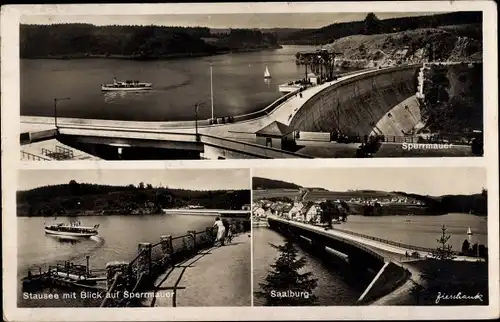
x,y
454,43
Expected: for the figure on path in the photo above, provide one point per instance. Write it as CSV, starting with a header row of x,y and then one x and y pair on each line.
x,y
221,231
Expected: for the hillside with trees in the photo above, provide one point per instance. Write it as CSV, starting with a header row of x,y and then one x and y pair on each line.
x,y
453,101
259,183
137,42
92,199
372,25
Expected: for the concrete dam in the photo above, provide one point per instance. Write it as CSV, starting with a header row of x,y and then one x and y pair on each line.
x,y
381,102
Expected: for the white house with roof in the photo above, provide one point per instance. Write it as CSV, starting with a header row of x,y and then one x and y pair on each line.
x,y
313,212
259,212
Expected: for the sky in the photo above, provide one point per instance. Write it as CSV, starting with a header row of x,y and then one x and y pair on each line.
x,y
425,181
244,20
195,179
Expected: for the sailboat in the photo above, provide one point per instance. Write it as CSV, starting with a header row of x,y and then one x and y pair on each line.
x,y
267,74
469,231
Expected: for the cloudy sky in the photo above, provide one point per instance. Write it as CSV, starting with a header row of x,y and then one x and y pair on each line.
x,y
206,179
244,20
425,181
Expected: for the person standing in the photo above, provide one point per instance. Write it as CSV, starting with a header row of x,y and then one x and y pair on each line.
x,y
221,231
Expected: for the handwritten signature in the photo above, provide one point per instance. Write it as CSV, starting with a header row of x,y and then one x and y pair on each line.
x,y
458,296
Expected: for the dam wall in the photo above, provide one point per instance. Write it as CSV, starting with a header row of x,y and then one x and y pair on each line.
x,y
356,105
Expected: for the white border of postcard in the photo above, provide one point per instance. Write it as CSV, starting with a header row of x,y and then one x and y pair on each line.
x,y
10,163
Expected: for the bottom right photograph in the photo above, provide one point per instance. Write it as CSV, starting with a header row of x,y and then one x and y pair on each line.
x,y
370,236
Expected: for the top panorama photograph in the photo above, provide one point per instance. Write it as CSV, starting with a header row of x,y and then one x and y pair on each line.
x,y
241,86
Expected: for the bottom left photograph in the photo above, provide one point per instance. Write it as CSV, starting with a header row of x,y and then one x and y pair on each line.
x,y
134,238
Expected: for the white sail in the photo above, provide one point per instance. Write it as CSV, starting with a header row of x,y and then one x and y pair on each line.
x,y
469,231
267,74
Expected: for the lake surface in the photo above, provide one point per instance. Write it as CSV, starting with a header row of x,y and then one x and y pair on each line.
x,y
332,287
117,240
421,230
238,85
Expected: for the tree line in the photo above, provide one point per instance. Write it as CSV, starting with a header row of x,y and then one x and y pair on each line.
x,y
372,25
264,183
476,204
140,42
80,198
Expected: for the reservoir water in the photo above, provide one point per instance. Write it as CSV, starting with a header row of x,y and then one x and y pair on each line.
x,y
421,230
332,289
117,241
238,85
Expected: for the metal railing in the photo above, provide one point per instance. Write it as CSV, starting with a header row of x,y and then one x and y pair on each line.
x,y
30,156
153,259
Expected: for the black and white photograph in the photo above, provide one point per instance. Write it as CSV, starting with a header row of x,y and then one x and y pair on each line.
x,y
250,161
333,236
243,85
134,238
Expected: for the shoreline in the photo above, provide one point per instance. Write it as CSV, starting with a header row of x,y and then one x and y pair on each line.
x,y
151,58
172,211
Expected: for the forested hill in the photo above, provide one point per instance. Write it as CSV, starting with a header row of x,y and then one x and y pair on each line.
x,y
372,25
264,183
476,203
139,42
91,199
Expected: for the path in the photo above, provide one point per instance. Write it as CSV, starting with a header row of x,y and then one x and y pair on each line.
x,y
219,276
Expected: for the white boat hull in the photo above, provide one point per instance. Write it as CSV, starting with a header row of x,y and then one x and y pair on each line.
x,y
125,89
69,234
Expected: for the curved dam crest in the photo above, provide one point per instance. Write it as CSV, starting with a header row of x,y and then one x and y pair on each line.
x,y
357,105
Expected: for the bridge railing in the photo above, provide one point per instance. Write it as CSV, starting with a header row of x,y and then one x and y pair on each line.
x,y
30,156
427,139
151,260
381,240
250,148
322,232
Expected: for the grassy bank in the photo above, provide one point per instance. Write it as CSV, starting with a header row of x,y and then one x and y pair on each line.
x,y
453,278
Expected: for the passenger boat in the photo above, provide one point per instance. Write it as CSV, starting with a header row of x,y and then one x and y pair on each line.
x,y
128,85
71,230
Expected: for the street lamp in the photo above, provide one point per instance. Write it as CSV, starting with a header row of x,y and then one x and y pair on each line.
x,y
55,107
196,106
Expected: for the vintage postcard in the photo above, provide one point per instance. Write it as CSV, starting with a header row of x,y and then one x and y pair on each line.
x,y
381,120
238,86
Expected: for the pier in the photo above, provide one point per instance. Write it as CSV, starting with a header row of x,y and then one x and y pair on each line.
x,y
120,279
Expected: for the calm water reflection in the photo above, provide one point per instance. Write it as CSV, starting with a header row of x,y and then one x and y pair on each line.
x,y
238,82
332,288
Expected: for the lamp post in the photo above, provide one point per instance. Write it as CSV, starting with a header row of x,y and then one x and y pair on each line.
x,y
211,91
57,99
196,106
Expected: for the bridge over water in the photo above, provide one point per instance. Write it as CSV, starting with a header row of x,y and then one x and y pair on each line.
x,y
381,261
361,103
